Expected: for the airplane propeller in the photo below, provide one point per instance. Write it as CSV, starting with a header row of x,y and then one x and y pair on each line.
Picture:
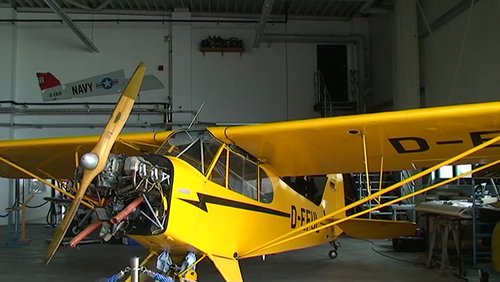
x,y
95,161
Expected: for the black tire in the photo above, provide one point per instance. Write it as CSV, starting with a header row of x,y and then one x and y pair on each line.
x,y
73,229
332,254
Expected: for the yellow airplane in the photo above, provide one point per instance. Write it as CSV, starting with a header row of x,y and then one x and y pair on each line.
x,y
229,193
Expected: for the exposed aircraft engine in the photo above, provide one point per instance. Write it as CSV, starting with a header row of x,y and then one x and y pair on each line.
x,y
112,174
137,190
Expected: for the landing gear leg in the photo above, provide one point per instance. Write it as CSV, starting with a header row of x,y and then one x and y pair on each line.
x,y
184,273
187,272
333,252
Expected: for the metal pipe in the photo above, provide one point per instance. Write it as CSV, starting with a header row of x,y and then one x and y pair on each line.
x,y
126,211
85,104
85,232
23,108
165,126
166,15
87,125
134,269
70,111
162,20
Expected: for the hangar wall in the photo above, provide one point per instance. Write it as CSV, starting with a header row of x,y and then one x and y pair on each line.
x,y
7,65
53,47
271,83
274,82
459,62
380,96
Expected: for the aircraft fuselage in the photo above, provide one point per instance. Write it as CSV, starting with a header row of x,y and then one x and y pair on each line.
x,y
208,197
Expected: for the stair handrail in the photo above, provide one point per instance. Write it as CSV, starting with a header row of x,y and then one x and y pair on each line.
x,y
322,96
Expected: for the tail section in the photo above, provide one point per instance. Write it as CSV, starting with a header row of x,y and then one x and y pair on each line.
x,y
47,80
333,195
334,199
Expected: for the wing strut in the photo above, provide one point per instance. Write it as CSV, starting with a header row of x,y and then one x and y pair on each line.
x,y
365,155
293,234
367,174
44,181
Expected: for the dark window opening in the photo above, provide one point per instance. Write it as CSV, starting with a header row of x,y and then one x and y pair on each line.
x,y
332,64
311,187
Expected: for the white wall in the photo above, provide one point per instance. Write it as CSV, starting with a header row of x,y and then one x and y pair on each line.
x,y
382,62
7,65
250,87
274,82
453,72
53,47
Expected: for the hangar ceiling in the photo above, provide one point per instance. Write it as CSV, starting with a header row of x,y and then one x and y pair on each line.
x,y
293,9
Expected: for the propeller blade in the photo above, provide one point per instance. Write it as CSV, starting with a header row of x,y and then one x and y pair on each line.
x,y
101,150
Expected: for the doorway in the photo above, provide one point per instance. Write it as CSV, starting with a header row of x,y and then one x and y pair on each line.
x,y
332,64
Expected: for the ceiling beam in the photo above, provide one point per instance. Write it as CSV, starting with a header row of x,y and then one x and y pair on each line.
x,y
104,4
77,4
447,16
264,16
67,20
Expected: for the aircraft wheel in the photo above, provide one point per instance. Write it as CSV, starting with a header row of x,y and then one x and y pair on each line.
x,y
332,254
74,229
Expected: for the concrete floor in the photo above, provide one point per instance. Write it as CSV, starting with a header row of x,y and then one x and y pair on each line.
x,y
92,262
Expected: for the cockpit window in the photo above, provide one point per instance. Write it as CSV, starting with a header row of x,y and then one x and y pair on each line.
x,y
198,148
266,187
234,169
210,148
218,174
193,154
243,176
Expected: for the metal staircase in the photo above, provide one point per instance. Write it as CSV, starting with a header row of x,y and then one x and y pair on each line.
x,y
365,185
483,219
324,103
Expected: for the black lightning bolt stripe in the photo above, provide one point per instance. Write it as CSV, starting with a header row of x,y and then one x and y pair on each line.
x,y
449,142
204,199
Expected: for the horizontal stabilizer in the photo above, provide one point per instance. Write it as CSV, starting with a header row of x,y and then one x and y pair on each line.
x,y
377,229
228,267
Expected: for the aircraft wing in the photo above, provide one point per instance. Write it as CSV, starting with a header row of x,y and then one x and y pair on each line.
x,y
57,157
401,139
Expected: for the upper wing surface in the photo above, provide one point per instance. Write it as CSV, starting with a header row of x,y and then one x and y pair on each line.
x,y
392,140
57,157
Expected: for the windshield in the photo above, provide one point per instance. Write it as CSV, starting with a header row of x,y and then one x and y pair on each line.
x,y
197,147
235,169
